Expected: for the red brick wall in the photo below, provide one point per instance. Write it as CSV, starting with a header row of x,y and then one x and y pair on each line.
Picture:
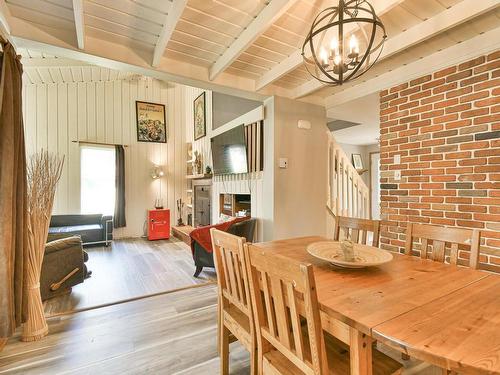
x,y
446,128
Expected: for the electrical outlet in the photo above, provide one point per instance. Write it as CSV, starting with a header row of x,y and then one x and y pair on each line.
x,y
397,175
397,159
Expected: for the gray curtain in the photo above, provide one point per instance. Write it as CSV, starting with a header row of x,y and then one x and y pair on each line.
x,y
119,217
13,194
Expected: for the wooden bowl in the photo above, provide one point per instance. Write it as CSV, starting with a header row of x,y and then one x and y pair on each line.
x,y
364,256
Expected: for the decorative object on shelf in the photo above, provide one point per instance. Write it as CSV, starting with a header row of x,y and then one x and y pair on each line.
x,y
197,163
208,170
157,172
180,206
151,122
44,171
200,126
159,203
344,42
357,161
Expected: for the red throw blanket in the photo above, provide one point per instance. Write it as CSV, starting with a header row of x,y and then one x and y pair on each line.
x,y
202,234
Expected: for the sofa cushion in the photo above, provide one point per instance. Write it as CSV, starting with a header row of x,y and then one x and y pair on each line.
x,y
70,220
75,228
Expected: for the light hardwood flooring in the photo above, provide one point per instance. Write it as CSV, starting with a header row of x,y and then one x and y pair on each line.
x,y
131,268
173,333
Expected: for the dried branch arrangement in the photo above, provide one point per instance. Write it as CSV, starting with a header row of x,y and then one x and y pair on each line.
x,y
44,171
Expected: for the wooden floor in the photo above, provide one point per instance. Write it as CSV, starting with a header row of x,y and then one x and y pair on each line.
x,y
173,333
168,334
128,269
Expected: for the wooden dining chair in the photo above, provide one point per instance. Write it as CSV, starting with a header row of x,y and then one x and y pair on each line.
x,y
234,305
440,237
290,338
357,229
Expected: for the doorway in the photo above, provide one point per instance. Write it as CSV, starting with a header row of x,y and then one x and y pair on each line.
x,y
375,184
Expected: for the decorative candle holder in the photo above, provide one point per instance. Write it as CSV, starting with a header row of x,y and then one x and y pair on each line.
x,y
347,247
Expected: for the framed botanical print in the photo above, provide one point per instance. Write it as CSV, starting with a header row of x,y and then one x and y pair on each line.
x,y
200,125
151,123
357,161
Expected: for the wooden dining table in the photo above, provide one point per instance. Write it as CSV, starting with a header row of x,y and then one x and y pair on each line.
x,y
443,314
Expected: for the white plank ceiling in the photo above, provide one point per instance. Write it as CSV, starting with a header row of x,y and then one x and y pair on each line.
x,y
205,30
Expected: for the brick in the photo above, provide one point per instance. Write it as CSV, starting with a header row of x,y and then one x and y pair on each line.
x,y
411,90
421,95
474,145
458,108
398,88
473,129
446,133
445,72
458,155
490,135
486,119
487,102
475,113
459,185
472,177
421,80
446,118
459,92
432,99
460,139
487,85
458,124
470,224
444,88
472,193
490,66
473,80
459,200
493,56
388,97
458,76
475,96
447,148
472,63
408,119
469,162
435,83
472,208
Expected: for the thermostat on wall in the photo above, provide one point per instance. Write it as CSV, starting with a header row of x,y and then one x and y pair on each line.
x,y
283,163
304,124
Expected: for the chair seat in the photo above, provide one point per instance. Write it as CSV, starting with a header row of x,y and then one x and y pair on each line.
x,y
338,360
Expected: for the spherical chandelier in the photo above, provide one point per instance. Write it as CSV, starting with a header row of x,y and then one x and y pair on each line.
x,y
344,42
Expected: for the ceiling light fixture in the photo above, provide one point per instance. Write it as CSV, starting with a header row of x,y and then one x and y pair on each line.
x,y
344,42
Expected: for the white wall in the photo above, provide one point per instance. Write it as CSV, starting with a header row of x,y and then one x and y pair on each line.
x,y
300,191
364,151
57,114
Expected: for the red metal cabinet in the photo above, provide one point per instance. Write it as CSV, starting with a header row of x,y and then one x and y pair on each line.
x,y
158,224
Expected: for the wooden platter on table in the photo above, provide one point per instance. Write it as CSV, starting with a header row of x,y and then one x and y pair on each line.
x,y
364,256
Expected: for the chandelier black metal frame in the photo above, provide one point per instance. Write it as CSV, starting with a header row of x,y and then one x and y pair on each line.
x,y
333,65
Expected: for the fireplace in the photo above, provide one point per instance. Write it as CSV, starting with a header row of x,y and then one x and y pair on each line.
x,y
235,204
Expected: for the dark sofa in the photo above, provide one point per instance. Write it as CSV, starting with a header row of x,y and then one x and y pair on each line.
x,y
93,229
63,266
203,258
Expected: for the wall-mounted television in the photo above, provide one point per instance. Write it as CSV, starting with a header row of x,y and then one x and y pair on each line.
x,y
229,152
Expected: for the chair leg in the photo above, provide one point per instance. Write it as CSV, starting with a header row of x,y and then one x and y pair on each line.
x,y
198,271
254,363
224,351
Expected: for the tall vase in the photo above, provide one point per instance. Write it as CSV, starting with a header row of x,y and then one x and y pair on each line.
x,y
44,171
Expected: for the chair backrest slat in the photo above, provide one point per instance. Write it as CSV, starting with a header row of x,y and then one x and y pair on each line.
x,y
357,229
229,259
440,237
278,285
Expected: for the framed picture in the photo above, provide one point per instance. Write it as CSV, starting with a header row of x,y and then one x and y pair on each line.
x,y
151,123
357,161
200,125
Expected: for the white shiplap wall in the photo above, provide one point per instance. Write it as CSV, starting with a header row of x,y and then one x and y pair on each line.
x,y
235,184
55,114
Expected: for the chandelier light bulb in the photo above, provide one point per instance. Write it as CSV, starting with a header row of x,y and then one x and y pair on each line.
x,y
337,59
323,55
334,46
353,45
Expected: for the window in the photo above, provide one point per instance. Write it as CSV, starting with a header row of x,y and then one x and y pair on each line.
x,y
97,180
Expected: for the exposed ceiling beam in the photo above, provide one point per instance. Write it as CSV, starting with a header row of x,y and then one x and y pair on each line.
x,y
451,17
174,14
295,59
79,24
274,10
479,45
39,62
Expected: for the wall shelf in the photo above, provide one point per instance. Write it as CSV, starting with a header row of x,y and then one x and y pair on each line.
x,y
198,176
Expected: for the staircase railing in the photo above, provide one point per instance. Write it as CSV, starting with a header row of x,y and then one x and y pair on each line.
x,y
348,194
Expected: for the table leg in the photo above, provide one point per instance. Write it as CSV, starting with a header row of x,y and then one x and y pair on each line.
x,y
361,353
